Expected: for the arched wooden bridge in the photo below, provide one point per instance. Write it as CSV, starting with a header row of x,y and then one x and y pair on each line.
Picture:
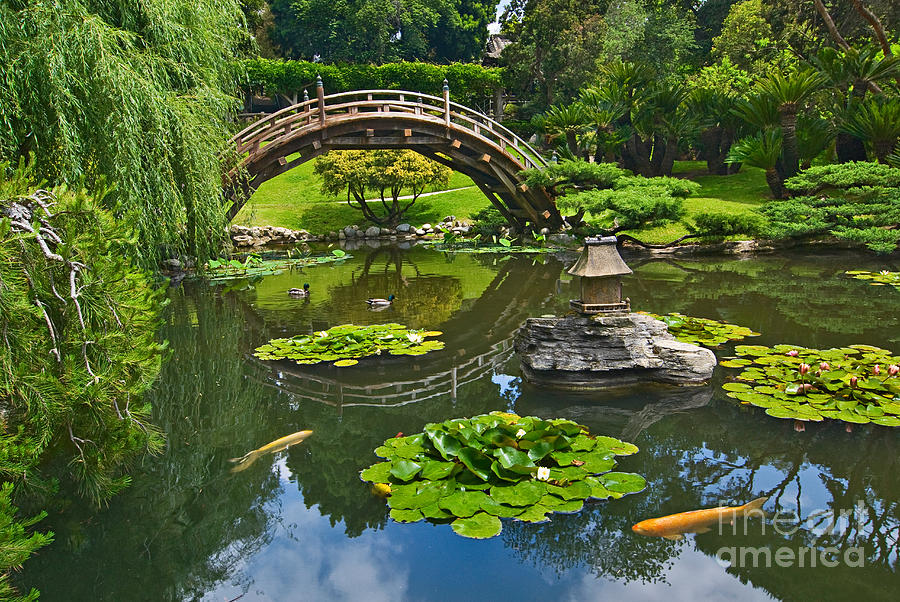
x,y
458,137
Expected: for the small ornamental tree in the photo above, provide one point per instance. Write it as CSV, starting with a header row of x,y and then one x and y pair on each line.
x,y
385,173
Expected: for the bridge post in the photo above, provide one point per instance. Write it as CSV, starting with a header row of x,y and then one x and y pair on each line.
x,y
320,93
446,103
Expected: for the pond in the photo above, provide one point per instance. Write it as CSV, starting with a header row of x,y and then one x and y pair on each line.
x,y
300,525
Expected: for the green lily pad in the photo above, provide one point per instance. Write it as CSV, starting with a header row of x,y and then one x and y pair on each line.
x,y
500,465
478,526
623,482
405,469
377,473
463,503
406,516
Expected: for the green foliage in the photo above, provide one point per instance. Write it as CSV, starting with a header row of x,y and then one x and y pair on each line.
x,y
634,202
79,348
846,176
499,465
119,90
348,342
861,205
375,31
468,82
722,225
882,278
253,266
385,172
876,122
487,222
79,345
652,33
570,175
15,545
851,384
702,331
744,37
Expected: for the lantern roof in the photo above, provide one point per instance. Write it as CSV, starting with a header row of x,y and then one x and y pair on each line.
x,y
600,259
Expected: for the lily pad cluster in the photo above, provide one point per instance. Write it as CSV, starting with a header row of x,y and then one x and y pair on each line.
x,y
882,278
702,331
346,343
857,384
471,472
220,270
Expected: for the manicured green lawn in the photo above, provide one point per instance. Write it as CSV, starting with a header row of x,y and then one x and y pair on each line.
x,y
737,193
294,200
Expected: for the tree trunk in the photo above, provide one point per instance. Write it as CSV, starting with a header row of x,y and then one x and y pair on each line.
x,y
657,155
668,160
849,148
829,23
883,148
711,143
572,143
789,153
776,185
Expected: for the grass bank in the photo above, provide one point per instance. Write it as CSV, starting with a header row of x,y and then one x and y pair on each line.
x,y
295,200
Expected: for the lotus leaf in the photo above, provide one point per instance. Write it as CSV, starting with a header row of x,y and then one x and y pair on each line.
x,y
853,384
348,342
479,526
702,331
499,465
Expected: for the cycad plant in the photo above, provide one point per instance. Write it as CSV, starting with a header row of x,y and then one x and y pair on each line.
x,y
567,121
790,92
764,151
876,122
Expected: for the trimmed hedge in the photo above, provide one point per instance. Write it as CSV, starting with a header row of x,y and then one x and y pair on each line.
x,y
274,76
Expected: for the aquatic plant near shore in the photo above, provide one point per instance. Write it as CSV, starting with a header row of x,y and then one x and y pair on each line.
x,y
346,343
702,331
882,278
220,270
849,384
472,472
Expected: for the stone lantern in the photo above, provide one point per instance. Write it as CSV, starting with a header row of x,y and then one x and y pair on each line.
x,y
601,269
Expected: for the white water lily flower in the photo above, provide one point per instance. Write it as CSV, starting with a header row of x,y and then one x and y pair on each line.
x,y
543,473
520,433
885,273
321,334
415,337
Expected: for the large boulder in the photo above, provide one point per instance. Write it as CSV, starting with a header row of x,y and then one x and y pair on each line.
x,y
591,352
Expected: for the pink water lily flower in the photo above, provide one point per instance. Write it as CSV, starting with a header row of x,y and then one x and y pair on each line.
x,y
793,353
824,366
893,369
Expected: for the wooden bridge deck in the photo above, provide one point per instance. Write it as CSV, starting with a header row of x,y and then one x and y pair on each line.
x,y
454,135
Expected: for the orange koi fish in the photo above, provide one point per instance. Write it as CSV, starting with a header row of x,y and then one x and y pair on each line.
x,y
697,521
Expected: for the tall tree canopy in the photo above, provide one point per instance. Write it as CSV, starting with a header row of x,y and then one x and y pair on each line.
x,y
380,31
136,92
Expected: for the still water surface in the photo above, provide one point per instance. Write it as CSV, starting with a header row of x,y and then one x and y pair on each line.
x,y
300,525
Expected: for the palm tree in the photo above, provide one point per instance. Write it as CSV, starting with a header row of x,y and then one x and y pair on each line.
x,y
790,92
604,106
876,122
718,127
854,72
567,121
763,151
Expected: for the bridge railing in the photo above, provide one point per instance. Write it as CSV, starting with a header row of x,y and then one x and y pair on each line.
x,y
318,112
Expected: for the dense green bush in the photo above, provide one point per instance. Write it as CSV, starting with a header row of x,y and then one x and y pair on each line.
x,y
858,202
627,208
722,225
79,345
488,221
572,175
15,545
467,81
